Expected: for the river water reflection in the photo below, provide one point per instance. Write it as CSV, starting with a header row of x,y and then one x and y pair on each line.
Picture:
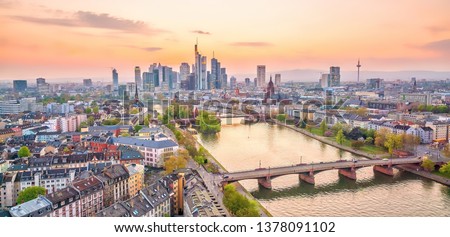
x,y
241,147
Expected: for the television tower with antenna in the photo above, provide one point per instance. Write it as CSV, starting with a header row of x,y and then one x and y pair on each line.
x,y
358,66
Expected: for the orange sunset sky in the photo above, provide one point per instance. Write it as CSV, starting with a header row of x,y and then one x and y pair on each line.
x,y
70,39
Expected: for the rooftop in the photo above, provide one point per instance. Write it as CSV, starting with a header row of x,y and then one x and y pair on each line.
x,y
145,143
39,206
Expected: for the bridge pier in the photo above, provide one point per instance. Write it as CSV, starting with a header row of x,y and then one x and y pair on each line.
x,y
308,178
265,182
348,172
387,170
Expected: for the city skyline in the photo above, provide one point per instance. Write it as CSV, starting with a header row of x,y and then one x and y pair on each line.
x,y
54,39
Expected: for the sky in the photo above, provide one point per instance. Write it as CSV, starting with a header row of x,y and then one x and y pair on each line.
x,y
84,39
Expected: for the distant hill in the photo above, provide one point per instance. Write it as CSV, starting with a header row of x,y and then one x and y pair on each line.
x,y
314,75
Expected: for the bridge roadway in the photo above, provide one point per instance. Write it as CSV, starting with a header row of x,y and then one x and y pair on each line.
x,y
306,171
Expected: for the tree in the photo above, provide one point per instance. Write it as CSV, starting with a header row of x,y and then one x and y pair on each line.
x,y
393,141
146,121
369,140
174,163
88,110
137,128
281,118
208,122
134,111
238,204
30,193
340,138
336,127
91,120
445,169
357,144
380,137
323,127
67,150
308,128
24,152
95,109
428,164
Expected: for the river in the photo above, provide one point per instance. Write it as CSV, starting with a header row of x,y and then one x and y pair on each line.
x,y
241,147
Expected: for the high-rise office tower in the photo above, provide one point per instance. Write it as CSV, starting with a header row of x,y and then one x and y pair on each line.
x,y
185,70
203,73
255,82
261,75
277,79
115,77
232,82
148,81
137,77
199,80
216,78
325,80
223,74
335,76
19,85
247,82
87,82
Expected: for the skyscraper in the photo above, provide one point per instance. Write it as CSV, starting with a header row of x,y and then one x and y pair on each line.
x,y
185,70
261,75
325,80
247,82
335,76
137,77
148,81
232,82
198,69
19,85
216,77
115,77
277,79
203,73
87,82
223,74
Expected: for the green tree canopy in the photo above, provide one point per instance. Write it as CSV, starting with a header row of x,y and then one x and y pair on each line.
x,y
238,204
323,127
88,110
24,152
340,138
428,164
30,193
137,128
95,109
445,169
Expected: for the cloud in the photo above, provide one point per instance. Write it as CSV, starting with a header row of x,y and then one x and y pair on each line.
x,y
201,32
441,46
152,49
437,29
251,44
93,20
6,4
148,49
46,21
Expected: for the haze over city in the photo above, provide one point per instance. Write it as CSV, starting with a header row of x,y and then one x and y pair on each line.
x,y
70,39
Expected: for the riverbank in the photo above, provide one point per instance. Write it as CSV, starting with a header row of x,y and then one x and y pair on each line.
x,y
206,175
262,210
332,143
417,170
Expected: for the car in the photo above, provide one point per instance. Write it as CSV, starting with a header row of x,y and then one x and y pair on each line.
x,y
386,159
226,176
